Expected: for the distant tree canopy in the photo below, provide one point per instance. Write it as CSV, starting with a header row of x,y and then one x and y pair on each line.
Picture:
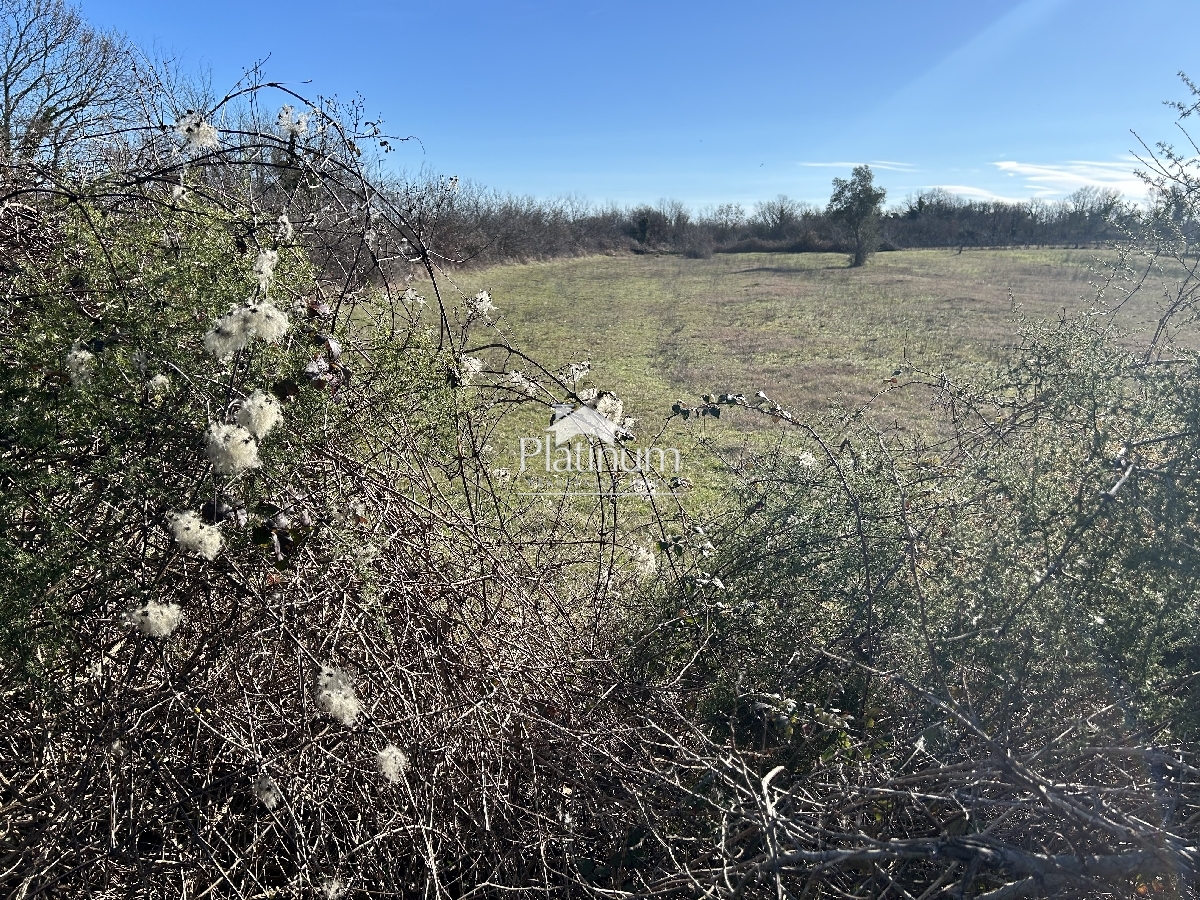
x,y
858,204
937,218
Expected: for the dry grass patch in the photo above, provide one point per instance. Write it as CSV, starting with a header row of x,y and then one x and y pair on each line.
x,y
802,327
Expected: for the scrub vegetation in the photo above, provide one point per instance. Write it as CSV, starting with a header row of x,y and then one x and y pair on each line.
x,y
487,226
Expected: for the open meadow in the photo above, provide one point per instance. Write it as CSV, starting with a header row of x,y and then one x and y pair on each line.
x,y
805,328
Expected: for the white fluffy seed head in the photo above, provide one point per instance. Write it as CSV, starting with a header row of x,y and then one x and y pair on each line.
x,y
267,321
469,368
231,449
205,137
336,696
234,330
155,619
284,231
333,889
267,791
392,762
158,385
522,383
229,334
297,126
264,268
576,371
610,407
81,364
193,535
481,304
200,135
259,413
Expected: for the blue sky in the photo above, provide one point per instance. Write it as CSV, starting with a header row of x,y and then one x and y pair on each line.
x,y
721,102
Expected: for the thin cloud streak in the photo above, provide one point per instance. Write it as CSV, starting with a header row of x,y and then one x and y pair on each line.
x,y
1065,178
978,193
875,164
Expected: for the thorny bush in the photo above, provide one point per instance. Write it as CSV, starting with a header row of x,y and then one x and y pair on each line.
x,y
270,624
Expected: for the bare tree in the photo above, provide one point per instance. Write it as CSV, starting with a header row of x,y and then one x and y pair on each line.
x,y
778,218
61,80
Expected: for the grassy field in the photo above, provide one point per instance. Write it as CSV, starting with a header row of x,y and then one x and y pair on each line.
x,y
802,327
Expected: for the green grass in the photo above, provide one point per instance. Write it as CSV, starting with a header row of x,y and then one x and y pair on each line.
x,y
804,328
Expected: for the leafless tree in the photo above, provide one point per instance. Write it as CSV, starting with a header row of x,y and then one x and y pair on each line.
x,y
61,80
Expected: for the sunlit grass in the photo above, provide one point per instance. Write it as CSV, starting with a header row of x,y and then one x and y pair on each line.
x,y
803,327
806,329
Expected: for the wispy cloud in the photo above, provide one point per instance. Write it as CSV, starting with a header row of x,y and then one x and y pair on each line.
x,y
1057,180
978,193
875,164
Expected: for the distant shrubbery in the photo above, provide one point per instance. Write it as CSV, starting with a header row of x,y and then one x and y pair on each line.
x,y
488,226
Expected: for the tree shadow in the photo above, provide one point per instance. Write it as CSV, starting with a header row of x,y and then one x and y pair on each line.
x,y
780,270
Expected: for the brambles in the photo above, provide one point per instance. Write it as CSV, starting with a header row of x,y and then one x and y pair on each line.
x,y
964,664
248,535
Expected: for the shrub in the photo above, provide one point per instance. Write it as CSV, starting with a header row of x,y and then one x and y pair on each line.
x,y
966,662
857,204
250,535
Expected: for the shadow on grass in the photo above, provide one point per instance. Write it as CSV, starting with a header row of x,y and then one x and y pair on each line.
x,y
782,270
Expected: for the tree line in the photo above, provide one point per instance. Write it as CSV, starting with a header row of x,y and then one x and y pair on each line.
x,y
487,225
69,91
